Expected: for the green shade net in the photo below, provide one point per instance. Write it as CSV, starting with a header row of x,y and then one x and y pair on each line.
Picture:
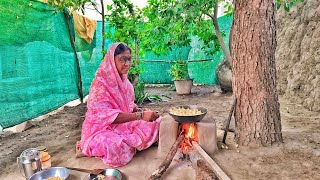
x,y
37,62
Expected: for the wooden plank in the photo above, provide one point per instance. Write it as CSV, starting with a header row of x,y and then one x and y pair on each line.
x,y
217,170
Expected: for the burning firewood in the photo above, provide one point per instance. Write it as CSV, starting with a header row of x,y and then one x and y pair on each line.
x,y
167,161
190,134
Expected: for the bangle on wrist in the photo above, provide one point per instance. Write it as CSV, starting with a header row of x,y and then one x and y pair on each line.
x,y
138,115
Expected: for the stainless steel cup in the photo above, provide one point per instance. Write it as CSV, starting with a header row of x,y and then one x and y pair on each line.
x,y
29,159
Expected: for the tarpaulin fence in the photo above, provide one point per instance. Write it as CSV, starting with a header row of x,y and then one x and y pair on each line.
x,y
37,63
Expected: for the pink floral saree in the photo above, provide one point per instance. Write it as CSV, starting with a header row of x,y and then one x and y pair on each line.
x,y
109,95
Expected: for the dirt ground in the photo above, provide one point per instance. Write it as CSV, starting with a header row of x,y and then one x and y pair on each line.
x,y
297,158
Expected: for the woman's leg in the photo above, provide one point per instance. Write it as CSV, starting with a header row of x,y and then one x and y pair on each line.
x,y
111,148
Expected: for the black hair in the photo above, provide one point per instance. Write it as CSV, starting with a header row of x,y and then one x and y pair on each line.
x,y
121,48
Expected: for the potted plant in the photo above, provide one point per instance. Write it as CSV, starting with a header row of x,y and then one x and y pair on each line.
x,y
182,81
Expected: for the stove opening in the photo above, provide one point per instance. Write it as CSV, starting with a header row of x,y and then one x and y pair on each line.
x,y
190,134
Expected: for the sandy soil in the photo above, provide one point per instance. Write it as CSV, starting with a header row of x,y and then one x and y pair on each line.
x,y
297,158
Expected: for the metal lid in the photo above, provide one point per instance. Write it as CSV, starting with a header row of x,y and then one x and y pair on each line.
x,y
29,155
42,148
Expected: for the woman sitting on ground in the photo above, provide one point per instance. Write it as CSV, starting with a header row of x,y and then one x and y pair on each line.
x,y
114,127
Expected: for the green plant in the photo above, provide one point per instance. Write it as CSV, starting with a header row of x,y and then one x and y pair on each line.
x,y
134,71
186,18
287,4
179,70
139,93
141,96
125,25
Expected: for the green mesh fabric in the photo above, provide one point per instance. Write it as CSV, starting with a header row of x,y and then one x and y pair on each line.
x,y
37,62
156,72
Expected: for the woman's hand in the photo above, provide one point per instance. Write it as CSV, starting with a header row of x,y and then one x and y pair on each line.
x,y
146,109
136,109
149,116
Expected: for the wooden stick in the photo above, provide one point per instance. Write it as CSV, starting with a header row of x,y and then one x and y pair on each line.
x,y
167,161
216,169
204,171
228,121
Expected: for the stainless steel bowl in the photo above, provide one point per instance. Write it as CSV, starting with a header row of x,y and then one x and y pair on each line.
x,y
189,119
51,172
110,174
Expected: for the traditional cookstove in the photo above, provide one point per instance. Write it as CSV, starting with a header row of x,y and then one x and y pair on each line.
x,y
193,128
194,140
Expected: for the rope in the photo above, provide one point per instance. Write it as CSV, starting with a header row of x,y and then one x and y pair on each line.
x,y
168,61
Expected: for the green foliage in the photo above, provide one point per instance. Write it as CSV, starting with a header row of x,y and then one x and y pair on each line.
x,y
229,8
126,19
179,70
287,4
60,5
139,93
171,22
134,71
141,96
150,27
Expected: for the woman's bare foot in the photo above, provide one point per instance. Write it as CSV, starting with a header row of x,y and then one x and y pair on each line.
x,y
79,153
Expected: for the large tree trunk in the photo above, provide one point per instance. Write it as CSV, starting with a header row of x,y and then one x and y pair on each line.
x,y
257,112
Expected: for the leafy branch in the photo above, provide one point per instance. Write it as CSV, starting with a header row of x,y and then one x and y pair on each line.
x,y
287,4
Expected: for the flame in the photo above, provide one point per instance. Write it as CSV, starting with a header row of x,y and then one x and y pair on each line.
x,y
190,132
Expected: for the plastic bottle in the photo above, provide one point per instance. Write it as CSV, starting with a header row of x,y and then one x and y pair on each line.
x,y
45,158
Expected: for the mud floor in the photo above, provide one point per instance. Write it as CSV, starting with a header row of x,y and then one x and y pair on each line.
x,y
297,158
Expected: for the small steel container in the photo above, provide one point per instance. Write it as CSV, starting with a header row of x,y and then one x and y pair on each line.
x,y
29,159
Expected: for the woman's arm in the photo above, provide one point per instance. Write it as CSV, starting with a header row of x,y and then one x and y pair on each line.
x,y
126,117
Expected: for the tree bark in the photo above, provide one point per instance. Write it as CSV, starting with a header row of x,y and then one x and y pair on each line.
x,y
78,71
102,31
136,54
218,34
257,112
167,161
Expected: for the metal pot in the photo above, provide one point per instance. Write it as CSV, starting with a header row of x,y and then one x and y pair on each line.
x,y
60,172
110,173
30,162
190,119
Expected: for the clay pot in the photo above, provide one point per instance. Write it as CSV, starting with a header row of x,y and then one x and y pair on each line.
x,y
224,75
184,86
